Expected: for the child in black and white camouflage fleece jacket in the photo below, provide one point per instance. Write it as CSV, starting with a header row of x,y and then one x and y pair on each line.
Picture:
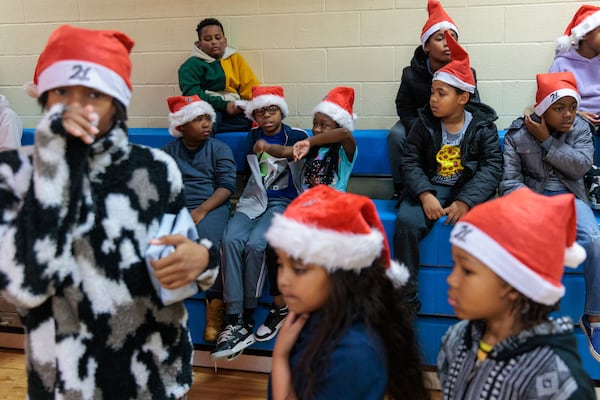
x,y
78,210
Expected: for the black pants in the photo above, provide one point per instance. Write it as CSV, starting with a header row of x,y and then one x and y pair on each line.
x,y
272,267
231,123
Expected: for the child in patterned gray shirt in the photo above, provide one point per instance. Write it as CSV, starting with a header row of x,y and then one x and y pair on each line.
x,y
507,347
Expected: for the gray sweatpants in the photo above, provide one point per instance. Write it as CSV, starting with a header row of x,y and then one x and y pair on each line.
x,y
243,257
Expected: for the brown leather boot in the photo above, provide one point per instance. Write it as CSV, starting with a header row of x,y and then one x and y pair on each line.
x,y
215,309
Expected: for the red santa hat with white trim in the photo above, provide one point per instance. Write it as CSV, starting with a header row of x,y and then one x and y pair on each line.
x,y
526,238
337,105
457,72
585,19
184,109
553,86
264,96
98,59
335,230
438,20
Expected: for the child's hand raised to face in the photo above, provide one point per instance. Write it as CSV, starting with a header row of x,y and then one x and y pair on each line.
x,y
538,129
80,122
288,334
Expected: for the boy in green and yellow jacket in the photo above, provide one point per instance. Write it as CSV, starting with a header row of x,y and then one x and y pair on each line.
x,y
219,75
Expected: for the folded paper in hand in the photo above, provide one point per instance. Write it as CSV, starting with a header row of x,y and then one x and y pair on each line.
x,y
172,224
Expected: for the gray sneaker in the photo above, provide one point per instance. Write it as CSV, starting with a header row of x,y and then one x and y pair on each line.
x,y
233,340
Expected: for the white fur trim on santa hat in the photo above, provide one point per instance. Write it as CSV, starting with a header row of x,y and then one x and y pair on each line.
x,y
505,265
84,73
587,25
266,100
565,42
187,114
336,113
440,26
453,81
553,97
328,248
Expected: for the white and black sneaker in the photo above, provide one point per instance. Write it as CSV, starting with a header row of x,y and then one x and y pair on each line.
x,y
233,340
272,323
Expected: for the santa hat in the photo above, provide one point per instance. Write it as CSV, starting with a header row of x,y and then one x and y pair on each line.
x,y
586,19
185,109
335,230
438,20
98,59
526,239
553,86
264,96
458,71
337,105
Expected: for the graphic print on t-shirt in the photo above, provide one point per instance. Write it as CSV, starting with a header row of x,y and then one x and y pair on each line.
x,y
449,165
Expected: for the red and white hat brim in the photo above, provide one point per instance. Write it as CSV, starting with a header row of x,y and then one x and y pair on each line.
x,y
454,81
84,73
341,116
440,26
587,25
553,97
505,265
188,113
266,100
325,247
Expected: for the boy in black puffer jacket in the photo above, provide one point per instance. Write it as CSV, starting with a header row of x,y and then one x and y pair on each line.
x,y
451,162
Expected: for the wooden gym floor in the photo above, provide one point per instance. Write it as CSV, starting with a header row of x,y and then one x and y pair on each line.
x,y
223,385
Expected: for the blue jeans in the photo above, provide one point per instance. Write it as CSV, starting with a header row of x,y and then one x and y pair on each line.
x,y
588,236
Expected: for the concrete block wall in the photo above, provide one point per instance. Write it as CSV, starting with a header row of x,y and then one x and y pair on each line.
x,y
306,46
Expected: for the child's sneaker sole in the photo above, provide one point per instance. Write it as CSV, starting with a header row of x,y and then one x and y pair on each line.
x,y
235,355
238,348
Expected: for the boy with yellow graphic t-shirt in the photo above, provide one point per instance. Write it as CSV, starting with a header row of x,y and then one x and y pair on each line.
x,y
452,161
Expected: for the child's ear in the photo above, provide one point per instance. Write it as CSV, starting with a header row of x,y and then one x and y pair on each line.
x,y
464,97
510,293
179,128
